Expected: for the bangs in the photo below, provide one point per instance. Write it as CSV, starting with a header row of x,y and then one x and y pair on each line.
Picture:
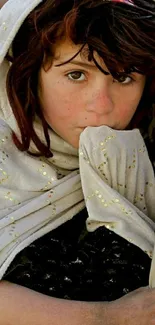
x,y
108,30
116,34
122,35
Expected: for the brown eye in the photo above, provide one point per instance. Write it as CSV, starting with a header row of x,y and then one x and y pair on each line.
x,y
76,76
124,79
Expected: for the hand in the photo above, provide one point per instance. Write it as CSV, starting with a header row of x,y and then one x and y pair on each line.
x,y
136,308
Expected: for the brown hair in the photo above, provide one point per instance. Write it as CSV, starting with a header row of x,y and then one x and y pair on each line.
x,y
123,35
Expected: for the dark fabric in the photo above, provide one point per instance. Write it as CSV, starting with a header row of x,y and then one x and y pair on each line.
x,y
71,263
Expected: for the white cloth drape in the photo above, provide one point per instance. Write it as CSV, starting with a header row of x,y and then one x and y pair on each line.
x,y
38,194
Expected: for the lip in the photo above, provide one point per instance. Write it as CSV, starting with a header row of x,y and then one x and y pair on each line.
x,y
95,126
83,127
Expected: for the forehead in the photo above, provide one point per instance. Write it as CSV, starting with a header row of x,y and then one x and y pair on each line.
x,y
66,50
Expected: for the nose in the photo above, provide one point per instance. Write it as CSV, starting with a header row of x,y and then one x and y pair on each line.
x,y
101,100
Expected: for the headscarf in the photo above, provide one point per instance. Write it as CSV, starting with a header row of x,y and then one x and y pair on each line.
x,y
110,173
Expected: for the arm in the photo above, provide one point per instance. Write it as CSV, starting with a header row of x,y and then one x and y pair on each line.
x,y
19,305
22,306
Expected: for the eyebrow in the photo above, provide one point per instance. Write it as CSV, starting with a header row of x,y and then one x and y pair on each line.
x,y
82,64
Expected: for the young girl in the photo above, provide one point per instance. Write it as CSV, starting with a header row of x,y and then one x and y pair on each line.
x,y
77,79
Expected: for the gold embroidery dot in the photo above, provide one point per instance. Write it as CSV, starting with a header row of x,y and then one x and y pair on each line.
x,y
149,184
4,26
44,173
149,253
11,198
16,235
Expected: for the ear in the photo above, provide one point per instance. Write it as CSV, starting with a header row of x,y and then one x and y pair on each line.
x,y
2,2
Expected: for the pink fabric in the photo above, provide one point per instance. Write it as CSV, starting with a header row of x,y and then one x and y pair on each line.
x,y
125,1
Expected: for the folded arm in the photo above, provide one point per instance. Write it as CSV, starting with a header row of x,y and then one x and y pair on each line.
x,y
22,306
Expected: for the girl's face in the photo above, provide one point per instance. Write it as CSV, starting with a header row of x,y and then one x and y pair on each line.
x,y
77,94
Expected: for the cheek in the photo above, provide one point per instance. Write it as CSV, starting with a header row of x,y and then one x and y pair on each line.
x,y
59,108
129,103
127,110
125,114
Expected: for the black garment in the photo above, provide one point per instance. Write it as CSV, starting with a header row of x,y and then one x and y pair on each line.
x,y
71,263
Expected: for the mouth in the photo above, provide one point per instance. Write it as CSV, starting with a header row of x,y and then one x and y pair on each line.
x,y
83,127
95,126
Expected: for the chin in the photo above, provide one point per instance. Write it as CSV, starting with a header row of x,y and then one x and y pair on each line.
x,y
75,144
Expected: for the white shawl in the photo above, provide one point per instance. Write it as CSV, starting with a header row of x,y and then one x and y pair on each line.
x,y
37,195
